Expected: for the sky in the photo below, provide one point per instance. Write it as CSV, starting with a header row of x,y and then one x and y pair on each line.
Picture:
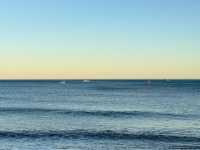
x,y
99,39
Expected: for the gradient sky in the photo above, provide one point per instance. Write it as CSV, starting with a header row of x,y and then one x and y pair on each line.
x,y
99,39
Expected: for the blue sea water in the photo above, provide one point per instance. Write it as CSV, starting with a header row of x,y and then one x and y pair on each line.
x,y
100,115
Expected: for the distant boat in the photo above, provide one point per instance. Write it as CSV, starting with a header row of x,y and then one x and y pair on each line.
x,y
86,81
62,82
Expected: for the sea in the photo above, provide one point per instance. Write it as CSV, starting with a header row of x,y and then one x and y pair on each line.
x,y
99,114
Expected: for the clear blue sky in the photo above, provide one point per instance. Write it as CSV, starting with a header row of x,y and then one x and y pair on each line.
x,y
99,39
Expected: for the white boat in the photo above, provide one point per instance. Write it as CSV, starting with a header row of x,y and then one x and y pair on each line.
x,y
86,81
62,82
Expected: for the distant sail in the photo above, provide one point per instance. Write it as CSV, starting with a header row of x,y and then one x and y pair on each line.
x,y
62,82
86,80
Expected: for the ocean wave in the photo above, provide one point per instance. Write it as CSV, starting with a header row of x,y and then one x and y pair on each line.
x,y
105,134
103,113
185,147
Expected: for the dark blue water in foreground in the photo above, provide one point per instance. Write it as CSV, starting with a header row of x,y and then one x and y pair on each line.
x,y
100,115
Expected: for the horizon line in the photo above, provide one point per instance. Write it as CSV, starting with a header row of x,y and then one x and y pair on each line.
x,y
99,79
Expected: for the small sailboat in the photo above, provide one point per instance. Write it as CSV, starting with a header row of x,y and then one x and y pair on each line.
x,y
63,82
86,81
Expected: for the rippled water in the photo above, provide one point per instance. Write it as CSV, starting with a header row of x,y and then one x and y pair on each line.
x,y
100,115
